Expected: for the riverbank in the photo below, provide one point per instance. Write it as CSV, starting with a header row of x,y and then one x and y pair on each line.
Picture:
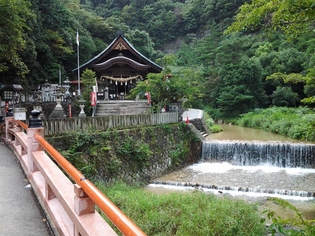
x,y
297,123
189,213
236,132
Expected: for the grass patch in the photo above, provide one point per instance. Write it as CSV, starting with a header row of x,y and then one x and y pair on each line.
x,y
211,125
185,213
215,129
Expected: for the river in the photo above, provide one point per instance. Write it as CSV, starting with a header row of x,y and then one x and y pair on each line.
x,y
256,182
234,132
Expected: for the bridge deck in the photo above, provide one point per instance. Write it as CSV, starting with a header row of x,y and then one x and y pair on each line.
x,y
20,213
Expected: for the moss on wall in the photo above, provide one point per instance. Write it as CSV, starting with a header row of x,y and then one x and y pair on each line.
x,y
130,155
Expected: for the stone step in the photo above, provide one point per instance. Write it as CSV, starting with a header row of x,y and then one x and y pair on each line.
x,y
203,133
121,107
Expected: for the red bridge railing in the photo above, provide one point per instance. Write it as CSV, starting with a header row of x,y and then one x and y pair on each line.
x,y
70,206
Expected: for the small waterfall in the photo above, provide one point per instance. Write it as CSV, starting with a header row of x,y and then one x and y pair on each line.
x,y
253,153
253,168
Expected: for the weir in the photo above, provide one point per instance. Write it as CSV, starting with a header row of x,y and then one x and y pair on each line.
x,y
255,168
254,153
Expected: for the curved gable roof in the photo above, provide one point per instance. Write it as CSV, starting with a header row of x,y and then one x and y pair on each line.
x,y
120,43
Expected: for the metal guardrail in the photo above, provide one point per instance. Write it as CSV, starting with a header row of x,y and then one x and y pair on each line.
x,y
71,212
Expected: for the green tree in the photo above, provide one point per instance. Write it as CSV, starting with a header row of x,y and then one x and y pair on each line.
x,y
309,89
178,85
142,42
158,87
285,97
242,87
50,41
88,79
188,86
292,17
14,16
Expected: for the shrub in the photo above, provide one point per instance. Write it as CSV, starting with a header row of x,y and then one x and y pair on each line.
x,y
297,123
215,129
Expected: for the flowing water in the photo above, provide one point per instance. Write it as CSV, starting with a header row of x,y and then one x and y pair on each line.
x,y
252,163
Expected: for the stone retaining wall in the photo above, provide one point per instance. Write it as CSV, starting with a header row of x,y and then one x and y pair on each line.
x,y
135,155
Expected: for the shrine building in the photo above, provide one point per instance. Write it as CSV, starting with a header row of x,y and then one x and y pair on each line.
x,y
119,67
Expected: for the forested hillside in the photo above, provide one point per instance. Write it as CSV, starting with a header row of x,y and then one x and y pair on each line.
x,y
226,70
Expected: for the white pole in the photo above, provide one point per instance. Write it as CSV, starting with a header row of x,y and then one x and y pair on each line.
x,y
79,90
59,75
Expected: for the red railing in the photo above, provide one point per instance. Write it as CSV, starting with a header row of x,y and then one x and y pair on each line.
x,y
45,175
22,124
123,223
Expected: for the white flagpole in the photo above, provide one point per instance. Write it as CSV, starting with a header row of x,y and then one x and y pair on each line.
x,y
59,75
79,90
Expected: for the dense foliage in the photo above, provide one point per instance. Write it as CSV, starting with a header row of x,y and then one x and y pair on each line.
x,y
193,213
225,74
292,17
13,28
297,123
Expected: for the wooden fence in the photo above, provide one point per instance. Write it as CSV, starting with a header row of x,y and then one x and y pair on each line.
x,y
58,126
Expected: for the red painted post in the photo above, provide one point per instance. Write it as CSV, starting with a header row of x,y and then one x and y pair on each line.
x,y
6,106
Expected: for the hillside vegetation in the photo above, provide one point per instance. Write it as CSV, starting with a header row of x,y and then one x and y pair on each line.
x,y
223,66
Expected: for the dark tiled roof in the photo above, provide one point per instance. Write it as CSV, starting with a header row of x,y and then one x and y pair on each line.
x,y
157,67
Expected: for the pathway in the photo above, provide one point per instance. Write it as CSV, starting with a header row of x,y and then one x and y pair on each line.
x,y
20,212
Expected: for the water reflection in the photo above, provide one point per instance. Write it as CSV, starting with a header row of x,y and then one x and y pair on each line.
x,y
234,132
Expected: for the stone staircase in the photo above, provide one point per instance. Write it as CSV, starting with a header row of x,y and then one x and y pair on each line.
x,y
121,107
203,133
201,126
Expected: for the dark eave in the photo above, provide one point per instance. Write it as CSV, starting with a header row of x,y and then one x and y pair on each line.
x,y
120,60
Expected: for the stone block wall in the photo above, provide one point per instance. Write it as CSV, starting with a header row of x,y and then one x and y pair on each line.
x,y
134,155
